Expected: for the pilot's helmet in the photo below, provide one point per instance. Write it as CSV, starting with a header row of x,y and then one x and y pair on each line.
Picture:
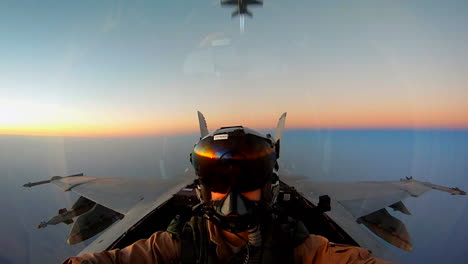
x,y
235,160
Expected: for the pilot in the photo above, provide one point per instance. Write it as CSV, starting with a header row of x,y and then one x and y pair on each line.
x,y
236,220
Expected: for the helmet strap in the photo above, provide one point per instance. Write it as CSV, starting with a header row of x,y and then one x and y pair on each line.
x,y
203,193
270,189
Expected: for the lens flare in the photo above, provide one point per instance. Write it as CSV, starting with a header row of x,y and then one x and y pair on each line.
x,y
241,23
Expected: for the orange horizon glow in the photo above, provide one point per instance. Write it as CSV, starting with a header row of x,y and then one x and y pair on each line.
x,y
294,121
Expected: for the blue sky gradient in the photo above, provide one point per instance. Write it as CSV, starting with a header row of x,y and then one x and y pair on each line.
x,y
150,65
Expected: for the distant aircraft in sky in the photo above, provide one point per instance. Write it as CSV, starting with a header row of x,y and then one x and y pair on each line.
x,y
241,6
122,211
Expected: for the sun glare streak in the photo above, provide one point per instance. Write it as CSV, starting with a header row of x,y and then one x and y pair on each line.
x,y
20,113
241,23
27,118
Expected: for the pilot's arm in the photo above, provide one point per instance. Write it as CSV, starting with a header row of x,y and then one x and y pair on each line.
x,y
318,250
159,248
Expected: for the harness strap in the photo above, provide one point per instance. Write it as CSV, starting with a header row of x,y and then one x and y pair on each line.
x,y
189,249
279,240
196,247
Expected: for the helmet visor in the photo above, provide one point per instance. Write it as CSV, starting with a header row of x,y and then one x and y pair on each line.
x,y
234,174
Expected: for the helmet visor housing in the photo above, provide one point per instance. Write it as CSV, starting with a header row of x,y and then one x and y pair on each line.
x,y
237,159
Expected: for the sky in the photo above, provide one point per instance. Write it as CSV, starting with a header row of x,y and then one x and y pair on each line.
x,y
119,68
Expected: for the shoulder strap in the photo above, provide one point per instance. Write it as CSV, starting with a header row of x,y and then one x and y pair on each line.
x,y
195,242
190,238
281,237
298,232
188,250
175,227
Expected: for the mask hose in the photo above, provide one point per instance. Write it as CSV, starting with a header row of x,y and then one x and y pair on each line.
x,y
255,237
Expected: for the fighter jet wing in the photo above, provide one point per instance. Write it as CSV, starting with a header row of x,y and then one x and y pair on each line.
x,y
120,195
363,198
103,201
366,202
229,2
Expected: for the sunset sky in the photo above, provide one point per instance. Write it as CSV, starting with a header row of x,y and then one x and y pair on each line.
x,y
126,68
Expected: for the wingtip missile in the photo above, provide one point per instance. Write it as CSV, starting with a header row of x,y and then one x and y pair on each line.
x,y
452,190
43,224
32,184
457,191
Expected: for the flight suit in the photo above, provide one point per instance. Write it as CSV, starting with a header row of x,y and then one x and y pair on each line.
x,y
163,247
